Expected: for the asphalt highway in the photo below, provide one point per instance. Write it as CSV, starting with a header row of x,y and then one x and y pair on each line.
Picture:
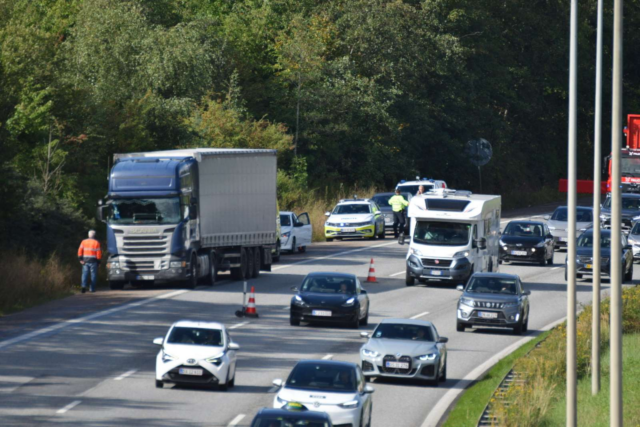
x,y
95,366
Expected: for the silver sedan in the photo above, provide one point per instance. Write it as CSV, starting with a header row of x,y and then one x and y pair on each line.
x,y
405,348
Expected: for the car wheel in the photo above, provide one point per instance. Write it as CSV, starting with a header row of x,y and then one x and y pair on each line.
x,y
550,260
356,323
370,412
232,383
525,326
329,239
365,321
294,246
250,260
224,386
460,327
543,261
519,328
628,277
159,384
409,280
294,322
443,375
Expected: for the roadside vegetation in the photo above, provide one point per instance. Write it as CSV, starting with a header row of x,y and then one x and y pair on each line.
x,y
539,399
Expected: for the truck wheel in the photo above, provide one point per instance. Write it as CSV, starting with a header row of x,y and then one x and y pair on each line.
x,y
240,273
250,266
257,262
213,269
192,282
276,256
409,280
114,285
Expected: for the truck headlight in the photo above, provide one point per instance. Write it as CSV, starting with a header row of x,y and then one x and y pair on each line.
x,y
178,264
113,265
415,251
462,254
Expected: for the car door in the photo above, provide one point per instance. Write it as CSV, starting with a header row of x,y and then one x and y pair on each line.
x,y
627,259
366,397
524,298
231,353
305,230
442,348
363,298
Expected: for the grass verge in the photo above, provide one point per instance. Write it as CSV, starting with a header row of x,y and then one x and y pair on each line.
x,y
471,404
25,281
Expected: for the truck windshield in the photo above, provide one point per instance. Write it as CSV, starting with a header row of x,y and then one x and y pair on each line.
x,y
144,211
440,233
630,166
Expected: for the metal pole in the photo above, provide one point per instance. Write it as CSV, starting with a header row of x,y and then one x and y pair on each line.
x,y
616,205
597,175
571,245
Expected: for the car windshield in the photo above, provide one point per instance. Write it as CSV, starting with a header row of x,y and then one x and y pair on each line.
x,y
399,331
144,211
329,285
357,208
630,166
492,285
286,421
523,229
629,203
413,189
285,220
586,240
636,228
323,376
582,215
441,233
195,336
382,200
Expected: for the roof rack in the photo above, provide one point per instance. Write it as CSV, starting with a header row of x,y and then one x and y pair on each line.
x,y
444,192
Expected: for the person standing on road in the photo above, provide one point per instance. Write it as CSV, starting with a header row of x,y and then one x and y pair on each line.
x,y
398,204
89,254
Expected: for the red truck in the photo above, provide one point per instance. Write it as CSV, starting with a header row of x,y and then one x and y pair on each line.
x,y
629,163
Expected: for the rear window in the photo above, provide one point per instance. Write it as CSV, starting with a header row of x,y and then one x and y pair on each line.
x,y
195,336
582,215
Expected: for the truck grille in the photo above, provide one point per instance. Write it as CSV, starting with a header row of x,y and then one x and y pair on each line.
x,y
146,253
432,262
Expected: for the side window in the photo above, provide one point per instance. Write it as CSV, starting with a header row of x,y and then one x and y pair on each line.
x,y
304,219
435,333
474,236
358,286
360,380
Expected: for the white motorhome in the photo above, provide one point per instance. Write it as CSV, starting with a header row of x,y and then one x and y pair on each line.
x,y
453,235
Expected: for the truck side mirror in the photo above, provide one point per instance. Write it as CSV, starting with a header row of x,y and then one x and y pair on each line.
x,y
193,212
100,212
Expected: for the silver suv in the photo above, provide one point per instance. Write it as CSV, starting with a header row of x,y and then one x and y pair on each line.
x,y
494,300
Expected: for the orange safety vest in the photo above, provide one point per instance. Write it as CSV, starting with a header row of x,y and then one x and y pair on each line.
x,y
89,250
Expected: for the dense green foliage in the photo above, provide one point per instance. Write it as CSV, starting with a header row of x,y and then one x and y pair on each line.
x,y
363,92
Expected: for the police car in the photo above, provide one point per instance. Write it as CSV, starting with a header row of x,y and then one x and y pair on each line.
x,y
413,186
354,218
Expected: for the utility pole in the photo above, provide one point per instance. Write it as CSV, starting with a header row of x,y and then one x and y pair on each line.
x,y
571,245
616,205
597,156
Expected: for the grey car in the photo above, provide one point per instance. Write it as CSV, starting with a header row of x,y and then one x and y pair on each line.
x,y
495,300
634,240
630,211
558,223
405,348
584,253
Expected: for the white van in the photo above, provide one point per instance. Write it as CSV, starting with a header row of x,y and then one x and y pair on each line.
x,y
453,235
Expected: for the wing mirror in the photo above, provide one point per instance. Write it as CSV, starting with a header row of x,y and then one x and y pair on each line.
x,y
233,346
527,292
443,340
547,217
364,335
327,214
158,341
363,291
368,389
460,288
277,382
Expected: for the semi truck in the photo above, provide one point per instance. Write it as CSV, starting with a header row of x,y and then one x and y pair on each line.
x,y
186,215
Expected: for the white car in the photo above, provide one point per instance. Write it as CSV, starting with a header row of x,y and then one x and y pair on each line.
x,y
354,218
295,232
196,353
337,388
413,186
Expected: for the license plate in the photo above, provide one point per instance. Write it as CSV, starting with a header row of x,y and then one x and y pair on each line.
x,y
519,253
388,221
185,371
563,239
397,365
436,273
349,230
488,315
325,313
144,277
589,266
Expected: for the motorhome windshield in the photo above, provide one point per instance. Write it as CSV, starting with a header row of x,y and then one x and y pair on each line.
x,y
441,233
144,211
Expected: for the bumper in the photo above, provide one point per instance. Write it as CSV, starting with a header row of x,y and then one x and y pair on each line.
x,y
338,315
333,232
168,275
419,370
211,375
531,254
504,318
339,416
459,271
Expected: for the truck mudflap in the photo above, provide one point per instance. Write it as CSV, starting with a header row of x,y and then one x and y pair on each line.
x,y
267,259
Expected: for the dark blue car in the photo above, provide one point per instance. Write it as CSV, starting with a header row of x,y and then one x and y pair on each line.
x,y
294,415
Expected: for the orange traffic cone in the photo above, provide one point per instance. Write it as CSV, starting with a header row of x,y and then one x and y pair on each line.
x,y
251,306
372,273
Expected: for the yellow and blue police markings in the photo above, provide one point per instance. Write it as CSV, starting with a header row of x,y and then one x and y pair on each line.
x,y
335,229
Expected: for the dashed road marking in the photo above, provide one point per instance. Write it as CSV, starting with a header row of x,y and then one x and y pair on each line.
x,y
556,268
273,389
419,315
125,375
327,357
397,274
236,420
69,407
238,325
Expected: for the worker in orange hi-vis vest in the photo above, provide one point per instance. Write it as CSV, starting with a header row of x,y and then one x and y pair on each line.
x,y
89,254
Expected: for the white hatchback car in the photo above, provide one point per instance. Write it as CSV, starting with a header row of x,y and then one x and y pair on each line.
x,y
196,353
295,231
337,388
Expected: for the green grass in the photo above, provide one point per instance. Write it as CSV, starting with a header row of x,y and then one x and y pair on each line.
x,y
594,410
469,407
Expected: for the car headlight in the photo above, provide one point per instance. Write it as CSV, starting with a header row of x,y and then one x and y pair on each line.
x,y
177,264
167,357
369,353
281,400
632,241
603,217
415,251
349,302
216,360
461,254
297,299
430,356
350,404
551,228
540,245
511,304
286,235
502,243
466,301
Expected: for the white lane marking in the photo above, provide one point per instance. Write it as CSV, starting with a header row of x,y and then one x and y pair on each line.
x,y
327,357
397,274
287,308
125,375
556,268
419,315
438,411
238,325
339,254
66,323
273,389
69,407
10,384
236,420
